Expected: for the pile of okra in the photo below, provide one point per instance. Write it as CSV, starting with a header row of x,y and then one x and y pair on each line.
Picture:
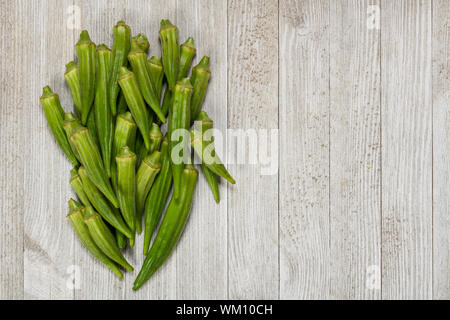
x,y
123,165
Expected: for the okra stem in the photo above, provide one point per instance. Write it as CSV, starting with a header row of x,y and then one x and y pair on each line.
x,y
155,69
72,79
168,34
200,78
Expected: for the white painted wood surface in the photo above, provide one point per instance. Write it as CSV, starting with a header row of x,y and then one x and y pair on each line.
x,y
360,206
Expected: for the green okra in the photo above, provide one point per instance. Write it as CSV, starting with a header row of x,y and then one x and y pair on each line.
x,y
206,123
75,217
142,41
55,118
70,125
200,78
206,151
72,79
138,61
121,240
101,204
103,115
103,237
179,118
171,228
156,72
135,102
126,187
77,185
121,47
187,53
121,104
93,128
168,34
145,177
155,141
85,49
124,135
92,161
156,200
167,101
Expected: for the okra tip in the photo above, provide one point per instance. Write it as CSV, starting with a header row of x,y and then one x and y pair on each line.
x,y
47,92
165,24
84,37
203,64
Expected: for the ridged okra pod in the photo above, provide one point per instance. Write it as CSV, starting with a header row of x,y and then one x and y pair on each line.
x,y
206,151
155,69
135,103
72,79
92,161
102,205
138,61
156,200
168,34
121,47
179,118
70,125
155,141
75,217
126,187
103,115
200,77
121,240
122,106
124,135
77,185
172,226
103,237
206,123
85,49
187,53
55,118
145,177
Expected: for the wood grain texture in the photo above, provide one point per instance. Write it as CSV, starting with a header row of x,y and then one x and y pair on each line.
x,y
355,153
205,236
252,104
11,155
304,150
441,147
406,150
48,237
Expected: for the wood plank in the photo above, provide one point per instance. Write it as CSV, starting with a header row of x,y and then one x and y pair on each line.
x,y
441,146
11,172
355,153
253,103
201,255
48,238
406,150
304,169
96,281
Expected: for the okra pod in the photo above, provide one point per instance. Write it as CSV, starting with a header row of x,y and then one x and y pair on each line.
x,y
142,41
75,217
126,187
92,161
206,123
155,69
206,151
171,228
77,185
93,128
156,200
55,118
145,177
101,204
200,78
103,237
103,115
85,49
155,141
124,135
179,118
135,102
121,47
138,61
187,53
121,104
168,34
70,125
72,79
167,101
120,239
